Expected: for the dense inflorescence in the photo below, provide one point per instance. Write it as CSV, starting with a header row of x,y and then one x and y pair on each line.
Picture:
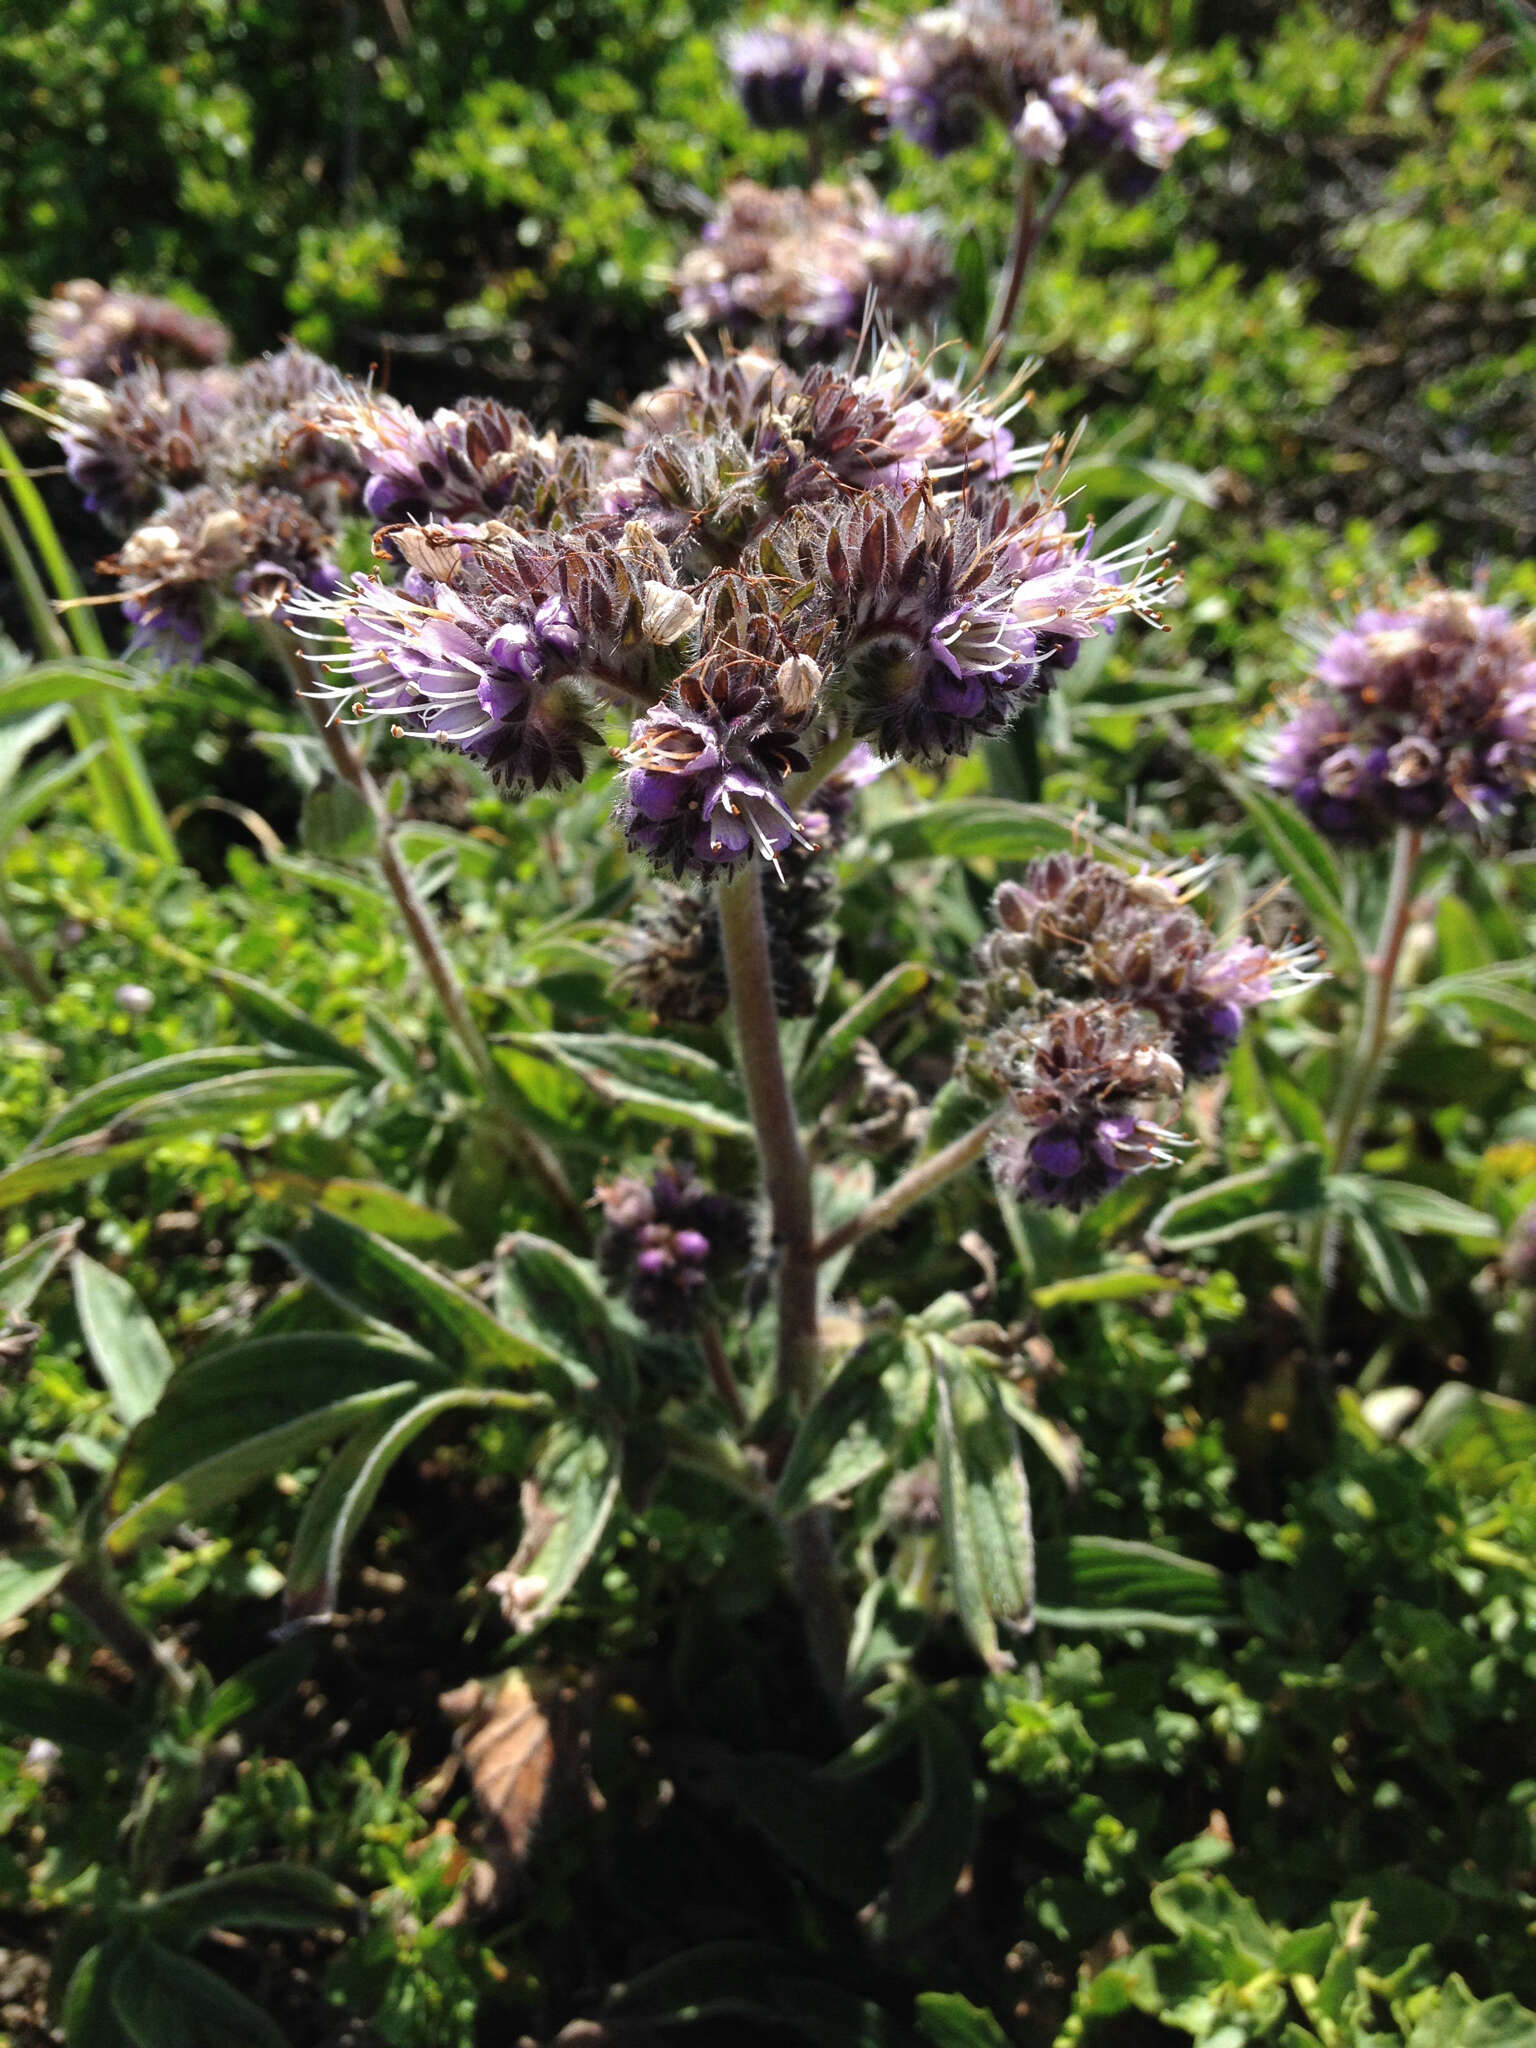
x,y
806,263
1423,717
763,564
670,1243
800,74
1100,993
87,332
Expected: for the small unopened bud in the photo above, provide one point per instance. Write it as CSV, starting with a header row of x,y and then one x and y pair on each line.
x,y
799,684
133,997
1039,134
667,614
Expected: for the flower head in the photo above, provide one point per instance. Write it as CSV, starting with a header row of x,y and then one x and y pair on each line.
x,y
1419,717
86,331
1079,1084
669,1242
796,74
809,261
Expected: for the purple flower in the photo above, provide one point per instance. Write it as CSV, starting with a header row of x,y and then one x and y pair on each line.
x,y
670,1243
1419,717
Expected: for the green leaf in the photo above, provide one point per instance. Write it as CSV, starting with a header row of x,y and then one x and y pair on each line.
x,y
1386,1257
374,1278
204,1106
981,828
985,1500
246,1390
557,1302
1479,1439
86,2014
753,1981
659,1080
826,1063
24,1272
163,2000
950,2021
933,1850
71,1715
1093,1582
349,1486
1488,996
371,1205
232,1422
68,682
1307,861
1204,1905
1120,1283
829,1827
1419,1211
128,1350
337,824
255,1895
266,1682
37,789
567,1503
858,1422
109,1099
284,1027
27,1576
18,736
1285,1187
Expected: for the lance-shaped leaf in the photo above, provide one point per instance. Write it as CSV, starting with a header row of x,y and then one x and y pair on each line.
x,y
71,1715
283,1026
23,1273
27,1576
934,1847
985,1498
1285,1187
1104,1582
858,1422
1382,1250
372,1205
128,1350
987,828
658,1079
165,2000
210,1105
566,1503
228,1423
349,1486
379,1280
255,1895
97,1107
826,1063
1416,1211
556,1301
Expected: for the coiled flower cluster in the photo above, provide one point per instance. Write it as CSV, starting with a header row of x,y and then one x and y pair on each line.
x,y
1100,992
763,564
800,74
86,331
221,478
1424,717
1070,98
670,1243
805,263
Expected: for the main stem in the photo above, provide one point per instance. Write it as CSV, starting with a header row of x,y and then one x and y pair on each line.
x,y
421,927
1381,991
1030,228
1322,1242
787,1181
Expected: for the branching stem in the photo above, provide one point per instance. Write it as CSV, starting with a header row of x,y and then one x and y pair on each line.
x,y
425,937
1030,228
915,1185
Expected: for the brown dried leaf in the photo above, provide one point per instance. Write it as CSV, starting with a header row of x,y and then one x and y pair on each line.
x,y
507,1741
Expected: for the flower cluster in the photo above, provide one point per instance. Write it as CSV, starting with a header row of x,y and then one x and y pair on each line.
x,y
222,478
669,1242
800,74
1421,717
1100,992
807,262
1519,1259
87,332
674,962
1069,98
762,564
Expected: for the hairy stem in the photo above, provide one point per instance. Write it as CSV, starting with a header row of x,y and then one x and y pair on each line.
x,y
421,928
721,1378
1380,994
915,1185
91,1591
786,1169
1321,1243
1030,228
787,1181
